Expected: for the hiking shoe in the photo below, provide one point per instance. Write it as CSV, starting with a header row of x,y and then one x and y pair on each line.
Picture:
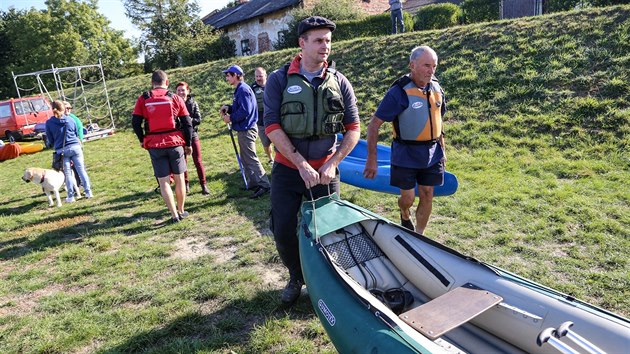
x,y
183,215
260,192
204,189
292,291
407,224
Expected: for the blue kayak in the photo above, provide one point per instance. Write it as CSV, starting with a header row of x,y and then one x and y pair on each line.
x,y
351,169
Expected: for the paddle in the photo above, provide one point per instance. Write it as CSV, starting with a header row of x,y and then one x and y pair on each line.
x,y
238,158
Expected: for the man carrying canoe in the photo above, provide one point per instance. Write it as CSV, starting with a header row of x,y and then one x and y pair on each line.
x,y
415,104
307,102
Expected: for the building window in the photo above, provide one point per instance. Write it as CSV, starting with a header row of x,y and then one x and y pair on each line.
x,y
245,49
281,36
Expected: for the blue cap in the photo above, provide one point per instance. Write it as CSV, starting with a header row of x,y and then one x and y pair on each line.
x,y
234,69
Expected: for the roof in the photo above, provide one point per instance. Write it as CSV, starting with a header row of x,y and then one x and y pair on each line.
x,y
246,11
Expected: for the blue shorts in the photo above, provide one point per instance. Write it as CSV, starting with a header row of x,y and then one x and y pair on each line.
x,y
167,161
407,178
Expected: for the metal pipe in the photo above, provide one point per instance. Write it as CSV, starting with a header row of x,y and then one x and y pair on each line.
x,y
563,330
547,336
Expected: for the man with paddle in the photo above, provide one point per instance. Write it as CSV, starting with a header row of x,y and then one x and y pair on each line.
x,y
242,115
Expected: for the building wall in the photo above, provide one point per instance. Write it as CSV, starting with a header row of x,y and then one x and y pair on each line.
x,y
520,8
254,32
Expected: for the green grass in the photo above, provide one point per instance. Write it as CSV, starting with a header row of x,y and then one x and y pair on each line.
x,y
537,133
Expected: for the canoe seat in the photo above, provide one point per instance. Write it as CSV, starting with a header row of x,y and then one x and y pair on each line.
x,y
450,310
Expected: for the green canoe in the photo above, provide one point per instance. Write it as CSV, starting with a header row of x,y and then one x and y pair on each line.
x,y
379,288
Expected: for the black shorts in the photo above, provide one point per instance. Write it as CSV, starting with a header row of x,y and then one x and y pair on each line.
x,y
407,178
167,161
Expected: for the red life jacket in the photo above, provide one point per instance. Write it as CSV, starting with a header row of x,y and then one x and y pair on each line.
x,y
160,115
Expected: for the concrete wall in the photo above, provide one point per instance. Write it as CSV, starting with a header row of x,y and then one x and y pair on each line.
x,y
521,8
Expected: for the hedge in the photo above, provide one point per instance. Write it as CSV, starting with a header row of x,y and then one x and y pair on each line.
x,y
371,26
437,16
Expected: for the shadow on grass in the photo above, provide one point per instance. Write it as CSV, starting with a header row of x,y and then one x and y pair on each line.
x,y
131,224
233,325
23,209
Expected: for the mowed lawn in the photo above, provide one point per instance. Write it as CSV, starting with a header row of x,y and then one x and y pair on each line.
x,y
537,134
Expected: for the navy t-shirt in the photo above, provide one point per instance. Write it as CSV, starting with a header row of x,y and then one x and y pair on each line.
x,y
406,155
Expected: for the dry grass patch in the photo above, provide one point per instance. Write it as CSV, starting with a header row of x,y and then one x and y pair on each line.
x,y
25,304
191,248
52,225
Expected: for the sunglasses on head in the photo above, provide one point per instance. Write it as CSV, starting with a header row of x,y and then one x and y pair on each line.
x,y
316,21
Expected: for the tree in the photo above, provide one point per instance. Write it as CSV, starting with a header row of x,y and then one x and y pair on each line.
x,y
169,27
67,33
201,44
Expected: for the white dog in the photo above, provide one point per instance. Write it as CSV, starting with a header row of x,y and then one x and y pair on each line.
x,y
50,180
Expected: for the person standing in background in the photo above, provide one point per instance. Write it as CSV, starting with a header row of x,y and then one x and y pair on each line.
x,y
259,90
157,110
63,136
395,7
242,114
183,91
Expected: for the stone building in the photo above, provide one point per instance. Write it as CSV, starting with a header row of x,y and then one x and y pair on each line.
x,y
256,24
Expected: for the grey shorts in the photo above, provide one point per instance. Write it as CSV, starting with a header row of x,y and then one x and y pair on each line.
x,y
167,161
407,178
263,137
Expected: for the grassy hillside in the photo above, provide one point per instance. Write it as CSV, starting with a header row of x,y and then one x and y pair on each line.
x,y
537,133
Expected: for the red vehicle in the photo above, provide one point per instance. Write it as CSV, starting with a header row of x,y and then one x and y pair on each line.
x,y
18,116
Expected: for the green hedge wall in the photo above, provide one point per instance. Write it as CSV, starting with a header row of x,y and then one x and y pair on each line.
x,y
437,16
377,25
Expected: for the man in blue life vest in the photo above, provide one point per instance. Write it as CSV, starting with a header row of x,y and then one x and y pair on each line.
x,y
415,104
157,110
307,102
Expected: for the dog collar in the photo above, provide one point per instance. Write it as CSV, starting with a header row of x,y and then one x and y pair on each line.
x,y
43,176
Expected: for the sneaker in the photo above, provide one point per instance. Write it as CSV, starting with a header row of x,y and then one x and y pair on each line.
x,y
204,189
407,223
88,195
259,192
291,291
69,200
183,215
174,220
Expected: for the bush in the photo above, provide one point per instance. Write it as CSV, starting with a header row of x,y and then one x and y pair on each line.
x,y
334,10
371,26
437,16
474,11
